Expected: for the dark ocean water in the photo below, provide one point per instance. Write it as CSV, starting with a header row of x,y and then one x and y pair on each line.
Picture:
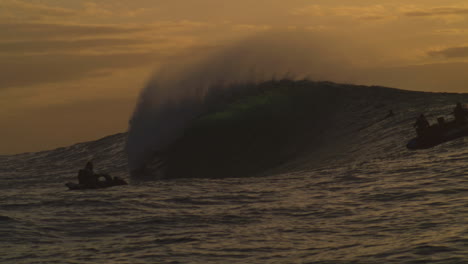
x,y
342,189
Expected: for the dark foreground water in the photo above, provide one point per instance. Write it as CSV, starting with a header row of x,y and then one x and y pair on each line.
x,y
363,199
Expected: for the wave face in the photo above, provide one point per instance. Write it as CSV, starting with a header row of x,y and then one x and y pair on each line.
x,y
187,88
286,125
256,128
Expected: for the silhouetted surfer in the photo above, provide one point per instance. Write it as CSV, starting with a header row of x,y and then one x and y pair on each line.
x,y
86,176
87,179
421,125
460,113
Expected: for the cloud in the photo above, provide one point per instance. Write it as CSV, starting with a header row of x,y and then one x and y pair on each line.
x,y
14,31
359,11
454,52
32,10
318,28
40,30
436,11
37,69
67,45
94,9
37,53
310,10
375,12
373,17
178,26
451,31
250,28
22,10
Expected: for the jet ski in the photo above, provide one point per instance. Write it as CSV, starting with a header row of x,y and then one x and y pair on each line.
x,y
438,134
116,181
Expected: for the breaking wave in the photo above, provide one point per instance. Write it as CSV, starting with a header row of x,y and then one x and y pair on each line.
x,y
242,112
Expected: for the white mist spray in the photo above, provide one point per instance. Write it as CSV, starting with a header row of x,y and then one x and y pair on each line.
x,y
176,95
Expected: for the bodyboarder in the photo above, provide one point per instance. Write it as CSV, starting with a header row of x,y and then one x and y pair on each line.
x,y
421,125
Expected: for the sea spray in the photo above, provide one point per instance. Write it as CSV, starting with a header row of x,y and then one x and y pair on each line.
x,y
166,108
183,90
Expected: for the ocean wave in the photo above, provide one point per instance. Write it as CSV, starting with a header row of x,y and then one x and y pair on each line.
x,y
288,124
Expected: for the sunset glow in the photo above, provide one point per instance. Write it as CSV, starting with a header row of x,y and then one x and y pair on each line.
x,y
72,70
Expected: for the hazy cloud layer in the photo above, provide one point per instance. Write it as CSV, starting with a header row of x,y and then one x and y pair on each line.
x,y
454,52
373,12
437,11
30,30
51,52
67,45
22,10
379,12
30,10
20,71
452,31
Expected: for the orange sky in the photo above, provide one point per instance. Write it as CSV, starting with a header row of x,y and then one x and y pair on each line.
x,y
71,70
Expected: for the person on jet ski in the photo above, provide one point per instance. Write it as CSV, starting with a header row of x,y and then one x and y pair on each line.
x,y
421,125
87,177
460,113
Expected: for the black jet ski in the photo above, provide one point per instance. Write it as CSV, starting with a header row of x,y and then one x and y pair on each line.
x,y
116,181
437,134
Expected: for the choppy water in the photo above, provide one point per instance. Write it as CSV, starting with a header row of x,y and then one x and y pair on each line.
x,y
361,197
